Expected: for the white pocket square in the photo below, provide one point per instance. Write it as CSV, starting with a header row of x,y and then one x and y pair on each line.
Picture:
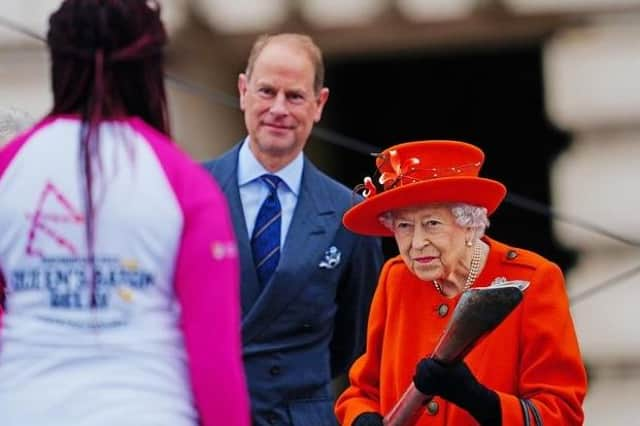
x,y
331,258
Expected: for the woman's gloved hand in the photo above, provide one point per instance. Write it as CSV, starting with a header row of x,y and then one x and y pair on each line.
x,y
457,384
368,419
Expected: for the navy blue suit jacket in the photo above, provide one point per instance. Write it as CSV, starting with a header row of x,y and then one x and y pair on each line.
x,y
309,324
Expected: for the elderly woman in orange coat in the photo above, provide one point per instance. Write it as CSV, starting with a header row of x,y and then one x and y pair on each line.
x,y
528,371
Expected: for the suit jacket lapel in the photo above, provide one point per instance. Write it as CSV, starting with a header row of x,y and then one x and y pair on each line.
x,y
228,181
310,234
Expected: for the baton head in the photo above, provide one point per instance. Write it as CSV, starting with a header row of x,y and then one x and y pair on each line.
x,y
478,312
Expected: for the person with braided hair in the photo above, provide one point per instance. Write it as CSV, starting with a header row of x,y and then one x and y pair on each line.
x,y
117,257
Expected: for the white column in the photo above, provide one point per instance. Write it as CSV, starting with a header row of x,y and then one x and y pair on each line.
x,y
341,13
546,6
435,10
33,15
593,91
243,16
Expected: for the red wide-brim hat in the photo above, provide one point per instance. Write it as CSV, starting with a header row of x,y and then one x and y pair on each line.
x,y
419,173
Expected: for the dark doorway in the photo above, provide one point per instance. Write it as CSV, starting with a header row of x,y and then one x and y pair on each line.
x,y
492,98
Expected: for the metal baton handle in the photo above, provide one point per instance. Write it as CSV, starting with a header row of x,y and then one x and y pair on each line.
x,y
407,409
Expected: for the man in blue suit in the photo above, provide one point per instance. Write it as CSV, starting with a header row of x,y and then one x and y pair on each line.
x,y
307,282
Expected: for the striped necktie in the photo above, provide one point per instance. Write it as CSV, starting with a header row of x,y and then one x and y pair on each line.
x,y
265,241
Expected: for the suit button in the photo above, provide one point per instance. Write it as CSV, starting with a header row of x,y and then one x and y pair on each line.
x,y
271,419
432,408
512,254
443,310
306,327
275,370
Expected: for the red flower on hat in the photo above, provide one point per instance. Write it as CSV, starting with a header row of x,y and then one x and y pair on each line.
x,y
400,169
390,179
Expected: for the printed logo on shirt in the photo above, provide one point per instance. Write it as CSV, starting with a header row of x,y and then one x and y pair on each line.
x,y
53,210
57,286
63,283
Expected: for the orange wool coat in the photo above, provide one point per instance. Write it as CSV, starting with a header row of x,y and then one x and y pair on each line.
x,y
533,354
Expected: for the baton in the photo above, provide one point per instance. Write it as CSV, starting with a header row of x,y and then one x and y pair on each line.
x,y
479,311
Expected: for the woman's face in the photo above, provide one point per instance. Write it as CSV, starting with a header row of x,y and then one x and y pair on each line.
x,y
430,241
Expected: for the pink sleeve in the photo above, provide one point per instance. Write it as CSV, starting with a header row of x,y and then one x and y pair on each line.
x,y
207,285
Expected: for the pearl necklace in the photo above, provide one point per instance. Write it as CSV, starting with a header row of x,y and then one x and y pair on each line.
x,y
474,270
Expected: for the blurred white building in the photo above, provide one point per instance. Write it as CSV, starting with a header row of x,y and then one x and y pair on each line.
x,y
592,85
593,90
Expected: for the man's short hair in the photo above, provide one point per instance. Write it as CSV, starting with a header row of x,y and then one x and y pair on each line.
x,y
301,40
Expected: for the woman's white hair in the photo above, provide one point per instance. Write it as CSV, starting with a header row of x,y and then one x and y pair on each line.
x,y
12,122
466,215
471,216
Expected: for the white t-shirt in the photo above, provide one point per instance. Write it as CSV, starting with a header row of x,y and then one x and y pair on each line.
x,y
123,361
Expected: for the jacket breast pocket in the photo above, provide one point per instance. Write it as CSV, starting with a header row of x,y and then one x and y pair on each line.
x,y
312,412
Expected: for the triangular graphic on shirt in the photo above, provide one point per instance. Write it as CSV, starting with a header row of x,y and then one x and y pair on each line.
x,y
53,209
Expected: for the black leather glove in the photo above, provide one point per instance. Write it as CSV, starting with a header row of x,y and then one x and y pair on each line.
x,y
368,419
457,384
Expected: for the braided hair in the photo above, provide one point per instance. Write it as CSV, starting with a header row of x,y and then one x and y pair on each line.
x,y
106,63
107,60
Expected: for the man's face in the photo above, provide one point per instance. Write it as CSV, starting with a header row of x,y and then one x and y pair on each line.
x,y
279,103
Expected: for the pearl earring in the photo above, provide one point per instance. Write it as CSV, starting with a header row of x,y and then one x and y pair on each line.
x,y
468,243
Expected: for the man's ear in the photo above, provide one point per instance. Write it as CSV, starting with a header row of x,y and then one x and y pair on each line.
x,y
243,81
321,100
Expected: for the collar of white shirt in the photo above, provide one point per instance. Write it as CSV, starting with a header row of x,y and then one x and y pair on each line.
x,y
250,169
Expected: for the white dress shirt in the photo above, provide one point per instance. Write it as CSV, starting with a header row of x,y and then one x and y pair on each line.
x,y
253,191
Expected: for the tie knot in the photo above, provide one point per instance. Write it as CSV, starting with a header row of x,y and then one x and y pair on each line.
x,y
272,182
